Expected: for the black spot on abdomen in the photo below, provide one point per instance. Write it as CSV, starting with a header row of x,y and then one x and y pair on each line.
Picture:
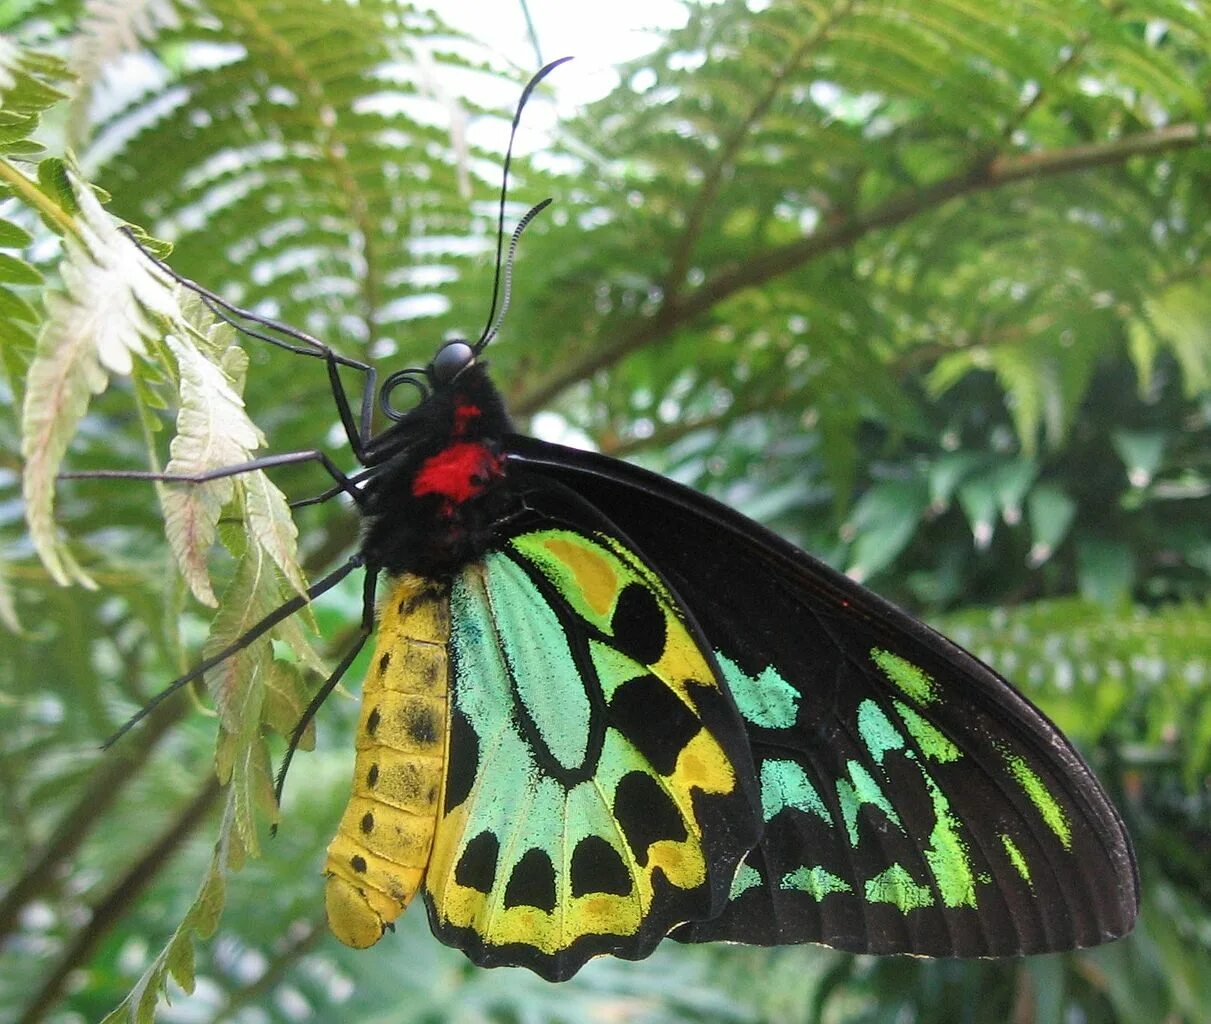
x,y
646,814
638,624
598,867
532,883
420,723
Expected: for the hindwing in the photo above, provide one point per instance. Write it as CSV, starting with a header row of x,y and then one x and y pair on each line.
x,y
599,790
911,800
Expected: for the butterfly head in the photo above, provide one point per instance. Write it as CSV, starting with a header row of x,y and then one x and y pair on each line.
x,y
449,362
446,366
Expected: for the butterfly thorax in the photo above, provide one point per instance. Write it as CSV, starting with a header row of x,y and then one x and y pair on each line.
x,y
433,506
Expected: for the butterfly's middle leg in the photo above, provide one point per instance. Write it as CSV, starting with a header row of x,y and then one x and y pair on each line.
x,y
364,630
344,483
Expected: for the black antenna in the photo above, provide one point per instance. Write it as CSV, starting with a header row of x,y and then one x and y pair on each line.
x,y
490,332
504,190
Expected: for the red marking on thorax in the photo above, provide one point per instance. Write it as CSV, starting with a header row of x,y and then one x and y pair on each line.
x,y
458,472
463,415
461,470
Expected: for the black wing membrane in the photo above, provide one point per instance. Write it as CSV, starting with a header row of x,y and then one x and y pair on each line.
x,y
913,801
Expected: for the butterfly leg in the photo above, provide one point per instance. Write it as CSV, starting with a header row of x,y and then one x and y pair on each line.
x,y
322,694
344,483
332,492
283,611
357,428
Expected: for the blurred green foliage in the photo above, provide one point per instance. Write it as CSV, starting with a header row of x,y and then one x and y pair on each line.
x,y
923,284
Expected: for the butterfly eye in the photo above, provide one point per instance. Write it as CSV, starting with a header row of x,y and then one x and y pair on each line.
x,y
451,359
412,375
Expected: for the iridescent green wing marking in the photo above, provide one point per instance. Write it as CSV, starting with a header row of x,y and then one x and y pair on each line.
x,y
599,788
900,818
911,800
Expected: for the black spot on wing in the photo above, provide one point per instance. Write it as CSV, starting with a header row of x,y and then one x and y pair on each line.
x,y
655,720
639,625
532,883
598,867
646,814
476,868
367,823
372,721
464,757
384,662
372,776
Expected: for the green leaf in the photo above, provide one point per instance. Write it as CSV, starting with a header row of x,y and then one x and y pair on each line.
x,y
978,499
8,605
945,475
16,271
1105,570
176,960
55,177
1141,452
884,521
1181,320
1050,512
12,236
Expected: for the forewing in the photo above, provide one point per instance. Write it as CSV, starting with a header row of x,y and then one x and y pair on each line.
x,y
599,788
912,800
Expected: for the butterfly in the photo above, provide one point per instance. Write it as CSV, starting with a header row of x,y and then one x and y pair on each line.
x,y
604,709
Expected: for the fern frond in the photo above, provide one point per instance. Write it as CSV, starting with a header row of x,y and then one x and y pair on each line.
x,y
96,327
176,960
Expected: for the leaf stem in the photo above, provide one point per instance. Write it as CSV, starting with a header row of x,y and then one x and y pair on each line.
x,y
29,191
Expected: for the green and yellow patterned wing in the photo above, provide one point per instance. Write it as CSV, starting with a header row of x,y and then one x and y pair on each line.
x,y
599,789
911,800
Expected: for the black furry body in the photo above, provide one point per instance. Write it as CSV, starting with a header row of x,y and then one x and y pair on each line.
x,y
432,504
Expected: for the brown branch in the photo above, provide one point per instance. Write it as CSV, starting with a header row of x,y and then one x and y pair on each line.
x,y
984,176
713,180
111,909
109,778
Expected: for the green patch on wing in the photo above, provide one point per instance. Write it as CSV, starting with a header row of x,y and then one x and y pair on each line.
x,y
816,882
1050,810
861,788
765,699
747,877
877,732
928,737
948,855
1016,859
915,683
897,887
785,784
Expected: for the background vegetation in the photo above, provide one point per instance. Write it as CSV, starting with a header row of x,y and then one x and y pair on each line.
x,y
921,283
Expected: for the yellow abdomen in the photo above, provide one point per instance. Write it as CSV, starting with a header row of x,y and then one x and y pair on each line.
x,y
377,860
